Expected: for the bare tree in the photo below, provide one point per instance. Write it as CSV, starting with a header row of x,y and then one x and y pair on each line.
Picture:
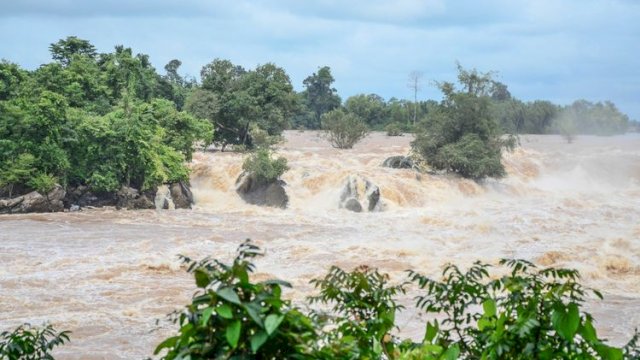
x,y
414,84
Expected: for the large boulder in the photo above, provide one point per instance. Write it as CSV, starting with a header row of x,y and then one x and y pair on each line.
x,y
181,195
35,202
260,193
130,198
360,194
398,162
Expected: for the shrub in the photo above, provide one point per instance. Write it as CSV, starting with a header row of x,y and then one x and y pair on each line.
x,y
30,343
529,313
461,135
43,183
343,129
17,172
265,168
363,309
393,129
232,317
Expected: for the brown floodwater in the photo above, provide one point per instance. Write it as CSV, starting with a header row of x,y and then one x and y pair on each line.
x,y
107,275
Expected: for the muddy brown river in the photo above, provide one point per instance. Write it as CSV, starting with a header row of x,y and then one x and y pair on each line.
x,y
107,275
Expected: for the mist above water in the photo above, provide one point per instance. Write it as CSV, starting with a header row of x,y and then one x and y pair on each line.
x,y
107,275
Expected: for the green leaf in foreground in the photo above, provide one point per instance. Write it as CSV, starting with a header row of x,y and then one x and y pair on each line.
x,y
233,333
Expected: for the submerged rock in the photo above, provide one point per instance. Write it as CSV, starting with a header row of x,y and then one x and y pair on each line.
x,y
260,193
360,194
398,162
35,202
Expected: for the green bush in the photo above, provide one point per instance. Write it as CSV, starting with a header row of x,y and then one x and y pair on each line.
x,y
461,135
43,183
265,168
16,172
529,313
30,343
394,129
232,317
343,129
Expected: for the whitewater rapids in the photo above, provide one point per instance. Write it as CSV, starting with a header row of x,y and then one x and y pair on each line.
x,y
107,275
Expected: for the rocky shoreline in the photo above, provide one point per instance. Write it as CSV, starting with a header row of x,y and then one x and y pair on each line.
x,y
170,196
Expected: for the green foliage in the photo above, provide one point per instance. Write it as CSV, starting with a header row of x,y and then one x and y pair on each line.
x,y
64,50
363,310
43,183
529,313
462,136
16,172
236,100
182,130
232,317
343,129
31,343
318,98
370,108
132,148
264,167
394,129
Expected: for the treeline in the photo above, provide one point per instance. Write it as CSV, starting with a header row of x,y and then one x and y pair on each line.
x,y
97,120
107,120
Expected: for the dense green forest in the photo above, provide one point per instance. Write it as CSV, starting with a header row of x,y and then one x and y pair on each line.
x,y
105,120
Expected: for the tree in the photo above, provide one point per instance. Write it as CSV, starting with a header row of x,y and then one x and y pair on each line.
x,y
263,97
319,96
414,84
64,50
462,136
17,172
344,129
11,77
371,108
500,92
474,82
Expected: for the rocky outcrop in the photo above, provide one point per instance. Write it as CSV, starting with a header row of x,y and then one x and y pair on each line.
x,y
172,196
35,202
260,193
398,162
181,195
360,194
81,197
130,198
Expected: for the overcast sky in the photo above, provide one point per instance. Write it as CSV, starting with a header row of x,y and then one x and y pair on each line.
x,y
558,50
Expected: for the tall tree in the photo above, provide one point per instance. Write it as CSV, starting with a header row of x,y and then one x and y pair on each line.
x,y
371,108
64,50
319,95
